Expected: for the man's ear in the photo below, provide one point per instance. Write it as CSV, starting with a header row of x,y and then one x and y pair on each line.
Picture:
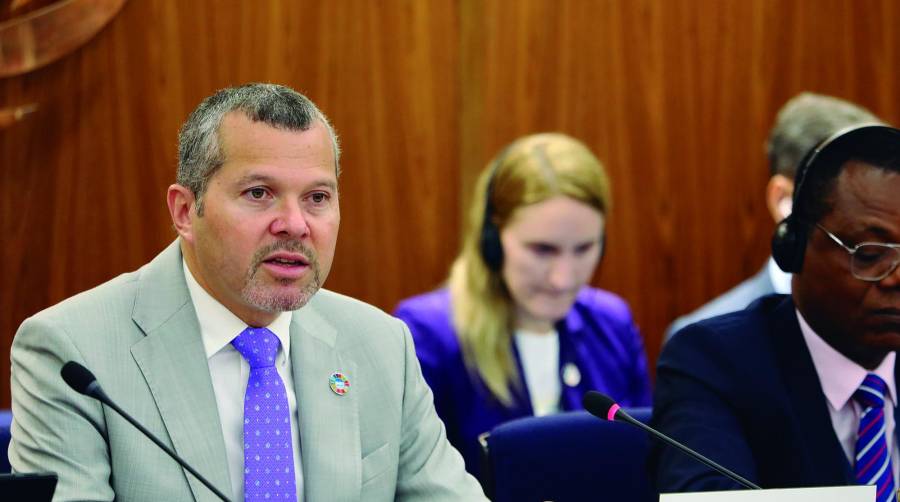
x,y
779,194
181,203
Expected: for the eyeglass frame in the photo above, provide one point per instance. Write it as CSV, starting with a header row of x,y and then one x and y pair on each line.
x,y
852,251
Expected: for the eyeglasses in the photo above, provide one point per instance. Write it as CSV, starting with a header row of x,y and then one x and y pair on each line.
x,y
869,261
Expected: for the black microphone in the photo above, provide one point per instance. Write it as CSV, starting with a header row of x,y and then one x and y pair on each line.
x,y
84,382
604,407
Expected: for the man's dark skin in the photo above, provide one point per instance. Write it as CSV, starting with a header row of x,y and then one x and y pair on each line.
x,y
860,319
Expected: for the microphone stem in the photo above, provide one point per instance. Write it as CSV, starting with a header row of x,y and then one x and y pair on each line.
x,y
108,402
696,456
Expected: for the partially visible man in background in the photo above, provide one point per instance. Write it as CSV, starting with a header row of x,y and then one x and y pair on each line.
x,y
804,121
800,390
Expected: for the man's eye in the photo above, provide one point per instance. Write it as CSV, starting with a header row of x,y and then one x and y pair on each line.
x,y
256,193
319,197
868,253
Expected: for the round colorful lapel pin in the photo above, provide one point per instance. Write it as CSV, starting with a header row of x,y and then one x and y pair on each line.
x,y
339,383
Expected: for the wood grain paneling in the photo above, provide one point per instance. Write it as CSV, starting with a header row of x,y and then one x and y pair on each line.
x,y
675,97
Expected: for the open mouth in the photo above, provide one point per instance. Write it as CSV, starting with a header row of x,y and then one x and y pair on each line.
x,y
287,262
286,265
287,259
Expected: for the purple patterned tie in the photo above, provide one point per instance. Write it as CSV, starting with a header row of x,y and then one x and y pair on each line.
x,y
268,451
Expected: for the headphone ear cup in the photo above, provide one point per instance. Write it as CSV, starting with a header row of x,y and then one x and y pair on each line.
x,y
491,248
789,246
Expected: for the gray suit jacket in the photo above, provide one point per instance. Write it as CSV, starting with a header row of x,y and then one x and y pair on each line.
x,y
139,334
736,298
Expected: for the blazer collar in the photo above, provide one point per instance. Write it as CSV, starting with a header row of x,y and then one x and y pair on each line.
x,y
173,362
328,422
808,400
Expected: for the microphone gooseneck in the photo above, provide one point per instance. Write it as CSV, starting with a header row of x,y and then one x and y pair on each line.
x,y
81,380
602,406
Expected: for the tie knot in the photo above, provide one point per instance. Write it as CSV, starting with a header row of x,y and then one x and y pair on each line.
x,y
259,346
871,393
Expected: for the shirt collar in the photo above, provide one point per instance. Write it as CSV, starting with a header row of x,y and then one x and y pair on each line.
x,y
219,326
840,377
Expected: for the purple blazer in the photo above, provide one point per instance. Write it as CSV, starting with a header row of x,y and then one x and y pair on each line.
x,y
597,336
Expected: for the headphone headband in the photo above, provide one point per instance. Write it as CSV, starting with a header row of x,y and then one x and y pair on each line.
x,y
861,140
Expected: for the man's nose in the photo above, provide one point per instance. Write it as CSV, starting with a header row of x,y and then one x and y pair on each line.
x,y
290,221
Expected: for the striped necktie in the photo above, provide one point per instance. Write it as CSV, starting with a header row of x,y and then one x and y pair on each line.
x,y
268,450
873,458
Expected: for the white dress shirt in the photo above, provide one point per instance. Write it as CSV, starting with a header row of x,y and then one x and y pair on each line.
x,y
840,378
230,373
539,353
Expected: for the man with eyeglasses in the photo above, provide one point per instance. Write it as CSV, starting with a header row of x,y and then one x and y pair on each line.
x,y
802,123
800,390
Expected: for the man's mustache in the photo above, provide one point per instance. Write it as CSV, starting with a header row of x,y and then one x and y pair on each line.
x,y
309,254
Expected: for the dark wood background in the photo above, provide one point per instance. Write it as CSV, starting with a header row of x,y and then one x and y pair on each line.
x,y
675,96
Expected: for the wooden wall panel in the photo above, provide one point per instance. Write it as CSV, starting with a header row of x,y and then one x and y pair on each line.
x,y
676,98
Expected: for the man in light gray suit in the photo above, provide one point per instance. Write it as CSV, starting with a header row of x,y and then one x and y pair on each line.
x,y
225,346
803,122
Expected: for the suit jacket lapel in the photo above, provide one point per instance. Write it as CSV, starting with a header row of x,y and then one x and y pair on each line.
x,y
328,422
827,464
173,361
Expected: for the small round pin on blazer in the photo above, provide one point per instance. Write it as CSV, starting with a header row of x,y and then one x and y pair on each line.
x,y
570,375
339,383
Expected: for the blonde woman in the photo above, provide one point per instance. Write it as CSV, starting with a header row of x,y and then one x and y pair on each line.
x,y
517,331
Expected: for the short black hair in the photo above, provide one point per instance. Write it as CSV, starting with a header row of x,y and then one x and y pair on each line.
x,y
878,146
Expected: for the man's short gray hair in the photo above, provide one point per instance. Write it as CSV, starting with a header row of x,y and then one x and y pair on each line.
x,y
199,151
804,122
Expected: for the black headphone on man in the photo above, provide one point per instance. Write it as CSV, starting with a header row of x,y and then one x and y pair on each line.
x,y
791,234
490,245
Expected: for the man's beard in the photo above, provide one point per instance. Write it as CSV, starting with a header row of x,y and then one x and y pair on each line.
x,y
256,292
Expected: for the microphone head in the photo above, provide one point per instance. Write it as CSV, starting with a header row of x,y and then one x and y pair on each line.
x,y
599,405
78,377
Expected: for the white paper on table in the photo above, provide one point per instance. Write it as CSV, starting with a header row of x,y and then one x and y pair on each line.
x,y
824,494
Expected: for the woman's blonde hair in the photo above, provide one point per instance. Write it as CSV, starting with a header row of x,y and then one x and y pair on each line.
x,y
532,169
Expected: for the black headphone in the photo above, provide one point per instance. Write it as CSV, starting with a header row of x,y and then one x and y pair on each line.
x,y
791,234
491,247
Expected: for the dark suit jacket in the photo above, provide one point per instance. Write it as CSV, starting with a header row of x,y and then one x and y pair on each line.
x,y
742,389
